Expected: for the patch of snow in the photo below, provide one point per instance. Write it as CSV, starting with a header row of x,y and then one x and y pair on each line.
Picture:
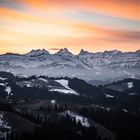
x,y
132,94
133,76
3,123
2,84
66,91
28,85
109,96
50,86
4,126
79,118
42,79
124,110
53,101
64,83
102,107
130,84
108,109
1,78
97,73
8,90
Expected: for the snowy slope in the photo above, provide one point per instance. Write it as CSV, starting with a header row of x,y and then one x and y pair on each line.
x,y
67,89
60,86
83,120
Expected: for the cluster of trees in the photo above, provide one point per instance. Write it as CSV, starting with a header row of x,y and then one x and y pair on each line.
x,y
41,116
44,93
89,94
124,124
97,94
64,128
2,92
6,107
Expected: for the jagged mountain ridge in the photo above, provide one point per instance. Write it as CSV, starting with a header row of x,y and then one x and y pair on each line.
x,y
38,52
113,58
86,65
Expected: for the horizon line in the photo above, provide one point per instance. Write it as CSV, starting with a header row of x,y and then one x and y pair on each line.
x,y
109,50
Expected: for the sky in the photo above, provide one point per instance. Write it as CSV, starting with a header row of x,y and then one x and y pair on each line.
x,y
92,25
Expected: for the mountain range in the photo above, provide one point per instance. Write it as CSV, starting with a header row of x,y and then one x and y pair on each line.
x,y
102,66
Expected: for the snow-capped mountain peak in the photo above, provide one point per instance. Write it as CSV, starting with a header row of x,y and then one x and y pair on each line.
x,y
112,52
83,52
138,52
64,52
86,65
37,52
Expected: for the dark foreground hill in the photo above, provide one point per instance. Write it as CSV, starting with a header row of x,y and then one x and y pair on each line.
x,y
64,108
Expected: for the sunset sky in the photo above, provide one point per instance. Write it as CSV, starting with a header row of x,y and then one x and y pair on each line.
x,y
93,25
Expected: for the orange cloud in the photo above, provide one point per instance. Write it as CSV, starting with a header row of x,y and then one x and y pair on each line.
x,y
119,8
76,35
22,30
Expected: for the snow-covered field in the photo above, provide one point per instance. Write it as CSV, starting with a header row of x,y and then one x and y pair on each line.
x,y
109,96
67,89
64,83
